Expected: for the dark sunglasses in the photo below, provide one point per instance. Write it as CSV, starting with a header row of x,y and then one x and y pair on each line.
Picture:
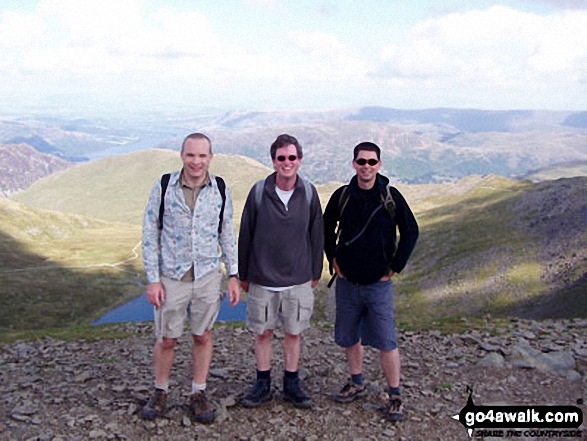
x,y
282,158
363,161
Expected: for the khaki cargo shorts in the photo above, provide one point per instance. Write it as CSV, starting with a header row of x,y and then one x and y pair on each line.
x,y
293,306
205,295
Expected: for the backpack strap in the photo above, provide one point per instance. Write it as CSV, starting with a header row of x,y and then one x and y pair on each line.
x,y
222,188
386,198
389,203
260,186
308,189
164,184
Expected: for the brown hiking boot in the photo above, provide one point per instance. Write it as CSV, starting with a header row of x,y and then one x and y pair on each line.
x,y
200,409
156,407
394,410
350,392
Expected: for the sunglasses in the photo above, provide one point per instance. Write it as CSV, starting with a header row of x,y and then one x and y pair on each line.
x,y
282,158
363,161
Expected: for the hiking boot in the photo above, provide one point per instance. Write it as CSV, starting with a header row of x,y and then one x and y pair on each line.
x,y
200,409
394,410
259,394
292,391
156,407
350,392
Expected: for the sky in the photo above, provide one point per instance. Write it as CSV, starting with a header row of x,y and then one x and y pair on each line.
x,y
146,55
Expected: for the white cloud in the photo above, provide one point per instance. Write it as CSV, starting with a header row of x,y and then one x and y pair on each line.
x,y
17,30
325,56
113,48
497,46
267,4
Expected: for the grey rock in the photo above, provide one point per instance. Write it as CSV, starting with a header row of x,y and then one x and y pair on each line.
x,y
492,360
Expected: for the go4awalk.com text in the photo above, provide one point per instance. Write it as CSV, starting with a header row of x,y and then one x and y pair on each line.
x,y
520,421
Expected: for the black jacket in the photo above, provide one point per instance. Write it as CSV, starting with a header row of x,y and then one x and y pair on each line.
x,y
375,252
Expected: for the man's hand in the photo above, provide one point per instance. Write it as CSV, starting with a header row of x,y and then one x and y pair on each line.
x,y
315,283
337,269
234,293
245,285
388,276
156,294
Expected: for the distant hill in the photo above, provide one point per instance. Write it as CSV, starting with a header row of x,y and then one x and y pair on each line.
x,y
117,188
22,165
58,268
419,146
564,170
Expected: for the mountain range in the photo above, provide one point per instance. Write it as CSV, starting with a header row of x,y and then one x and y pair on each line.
x,y
419,146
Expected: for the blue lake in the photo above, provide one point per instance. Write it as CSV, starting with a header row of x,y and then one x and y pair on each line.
x,y
140,310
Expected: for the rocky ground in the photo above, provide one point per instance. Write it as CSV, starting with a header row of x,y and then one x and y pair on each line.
x,y
55,390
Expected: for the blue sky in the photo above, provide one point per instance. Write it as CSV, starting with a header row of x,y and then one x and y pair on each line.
x,y
145,55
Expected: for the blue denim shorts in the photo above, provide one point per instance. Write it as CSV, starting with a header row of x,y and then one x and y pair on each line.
x,y
364,313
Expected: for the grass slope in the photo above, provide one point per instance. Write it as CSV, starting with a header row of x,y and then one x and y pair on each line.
x,y
59,268
488,246
117,188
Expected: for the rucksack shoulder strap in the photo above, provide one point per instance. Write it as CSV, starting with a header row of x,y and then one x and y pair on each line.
x,y
389,202
343,200
164,183
308,189
259,187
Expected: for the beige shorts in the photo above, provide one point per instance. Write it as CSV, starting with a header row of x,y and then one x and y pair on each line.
x,y
293,306
205,295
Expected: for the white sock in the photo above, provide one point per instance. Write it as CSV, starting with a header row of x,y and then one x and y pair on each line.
x,y
197,387
164,387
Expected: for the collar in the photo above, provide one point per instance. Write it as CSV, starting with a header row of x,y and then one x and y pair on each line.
x,y
380,183
181,181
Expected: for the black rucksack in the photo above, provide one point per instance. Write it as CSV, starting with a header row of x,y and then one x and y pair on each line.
x,y
165,182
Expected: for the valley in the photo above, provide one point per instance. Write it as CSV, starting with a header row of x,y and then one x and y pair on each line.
x,y
488,244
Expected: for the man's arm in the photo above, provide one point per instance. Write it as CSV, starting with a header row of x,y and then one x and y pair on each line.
x,y
331,218
245,238
151,235
152,247
316,237
408,230
227,238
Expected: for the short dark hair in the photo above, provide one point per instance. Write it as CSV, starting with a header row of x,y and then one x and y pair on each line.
x,y
196,135
283,141
367,146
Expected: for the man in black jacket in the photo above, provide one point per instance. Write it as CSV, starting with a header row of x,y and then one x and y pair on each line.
x,y
364,254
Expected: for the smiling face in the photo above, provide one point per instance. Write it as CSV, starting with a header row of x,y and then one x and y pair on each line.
x,y
196,156
286,169
366,174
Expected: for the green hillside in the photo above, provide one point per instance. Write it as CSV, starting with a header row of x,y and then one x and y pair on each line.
x,y
58,268
117,188
494,245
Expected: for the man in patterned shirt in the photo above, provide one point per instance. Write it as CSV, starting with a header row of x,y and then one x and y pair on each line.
x,y
182,262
